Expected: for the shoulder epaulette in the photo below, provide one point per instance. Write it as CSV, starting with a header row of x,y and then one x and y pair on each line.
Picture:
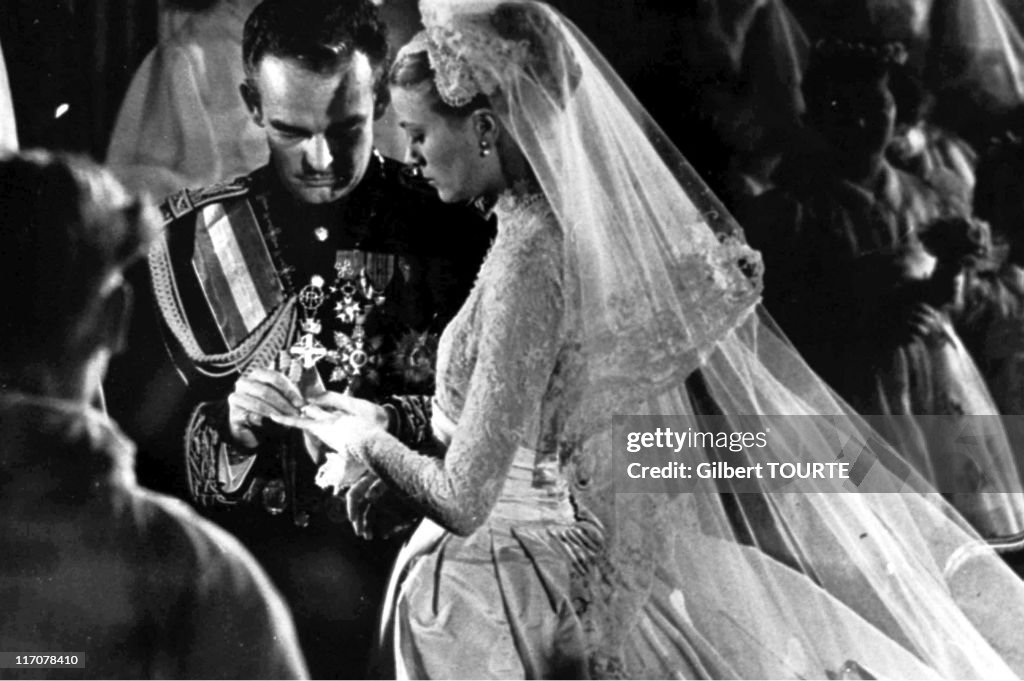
x,y
187,200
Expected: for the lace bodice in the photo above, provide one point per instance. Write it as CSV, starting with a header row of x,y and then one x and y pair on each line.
x,y
509,331
496,370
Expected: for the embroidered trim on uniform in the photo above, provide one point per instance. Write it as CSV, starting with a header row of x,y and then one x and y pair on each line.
x,y
179,203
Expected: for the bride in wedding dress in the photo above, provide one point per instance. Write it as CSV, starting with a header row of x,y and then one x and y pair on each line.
x,y
616,286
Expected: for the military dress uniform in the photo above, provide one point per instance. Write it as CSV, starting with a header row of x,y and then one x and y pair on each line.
x,y
354,294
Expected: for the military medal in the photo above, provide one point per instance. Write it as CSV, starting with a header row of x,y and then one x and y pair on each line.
x,y
361,278
345,264
347,310
308,350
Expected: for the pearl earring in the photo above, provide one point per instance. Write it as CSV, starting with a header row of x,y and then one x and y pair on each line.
x,y
485,148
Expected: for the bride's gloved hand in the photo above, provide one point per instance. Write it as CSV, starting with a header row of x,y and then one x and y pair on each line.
x,y
338,430
335,433
355,407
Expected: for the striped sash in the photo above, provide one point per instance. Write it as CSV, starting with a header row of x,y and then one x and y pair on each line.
x,y
235,270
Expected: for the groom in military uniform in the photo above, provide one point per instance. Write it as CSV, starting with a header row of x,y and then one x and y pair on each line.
x,y
329,271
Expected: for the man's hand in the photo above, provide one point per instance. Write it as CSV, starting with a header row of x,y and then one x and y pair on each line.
x,y
259,396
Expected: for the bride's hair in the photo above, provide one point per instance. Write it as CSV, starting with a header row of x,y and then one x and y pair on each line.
x,y
522,34
412,70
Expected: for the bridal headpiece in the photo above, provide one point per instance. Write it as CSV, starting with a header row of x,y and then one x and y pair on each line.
x,y
485,45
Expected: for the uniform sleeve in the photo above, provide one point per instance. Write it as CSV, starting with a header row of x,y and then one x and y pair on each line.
x,y
219,473
148,396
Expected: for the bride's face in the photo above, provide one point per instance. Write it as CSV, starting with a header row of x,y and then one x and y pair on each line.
x,y
446,149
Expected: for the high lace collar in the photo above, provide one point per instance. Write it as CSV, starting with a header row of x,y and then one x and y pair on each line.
x,y
517,202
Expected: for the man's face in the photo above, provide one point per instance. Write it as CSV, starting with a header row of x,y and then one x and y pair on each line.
x,y
319,126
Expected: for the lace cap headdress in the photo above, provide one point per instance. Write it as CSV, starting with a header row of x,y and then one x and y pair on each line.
x,y
482,50
661,299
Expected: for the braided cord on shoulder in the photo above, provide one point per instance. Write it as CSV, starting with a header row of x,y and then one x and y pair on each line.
x,y
260,348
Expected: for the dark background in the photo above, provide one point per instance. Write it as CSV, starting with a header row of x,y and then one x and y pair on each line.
x,y
77,52
83,53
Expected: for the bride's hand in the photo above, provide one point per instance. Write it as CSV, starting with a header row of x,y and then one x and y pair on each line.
x,y
361,409
335,429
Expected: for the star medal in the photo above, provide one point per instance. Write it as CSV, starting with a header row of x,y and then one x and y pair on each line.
x,y
352,354
348,309
345,264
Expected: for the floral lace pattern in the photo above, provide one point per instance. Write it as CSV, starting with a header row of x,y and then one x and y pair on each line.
x,y
718,288
458,76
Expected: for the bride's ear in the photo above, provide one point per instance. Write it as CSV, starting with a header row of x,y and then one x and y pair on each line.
x,y
486,127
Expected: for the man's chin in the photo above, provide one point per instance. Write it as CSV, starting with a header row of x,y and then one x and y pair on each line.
x,y
321,194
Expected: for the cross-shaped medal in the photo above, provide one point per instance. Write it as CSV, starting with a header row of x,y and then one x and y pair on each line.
x,y
308,350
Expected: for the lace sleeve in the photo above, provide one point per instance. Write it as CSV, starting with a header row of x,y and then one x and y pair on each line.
x,y
517,341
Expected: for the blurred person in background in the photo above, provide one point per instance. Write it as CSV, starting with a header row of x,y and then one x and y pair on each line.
x,y
183,122
847,276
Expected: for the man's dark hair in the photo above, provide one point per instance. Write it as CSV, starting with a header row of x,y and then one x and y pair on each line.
x,y
320,34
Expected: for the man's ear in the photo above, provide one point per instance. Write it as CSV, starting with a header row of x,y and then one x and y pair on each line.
x,y
251,97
